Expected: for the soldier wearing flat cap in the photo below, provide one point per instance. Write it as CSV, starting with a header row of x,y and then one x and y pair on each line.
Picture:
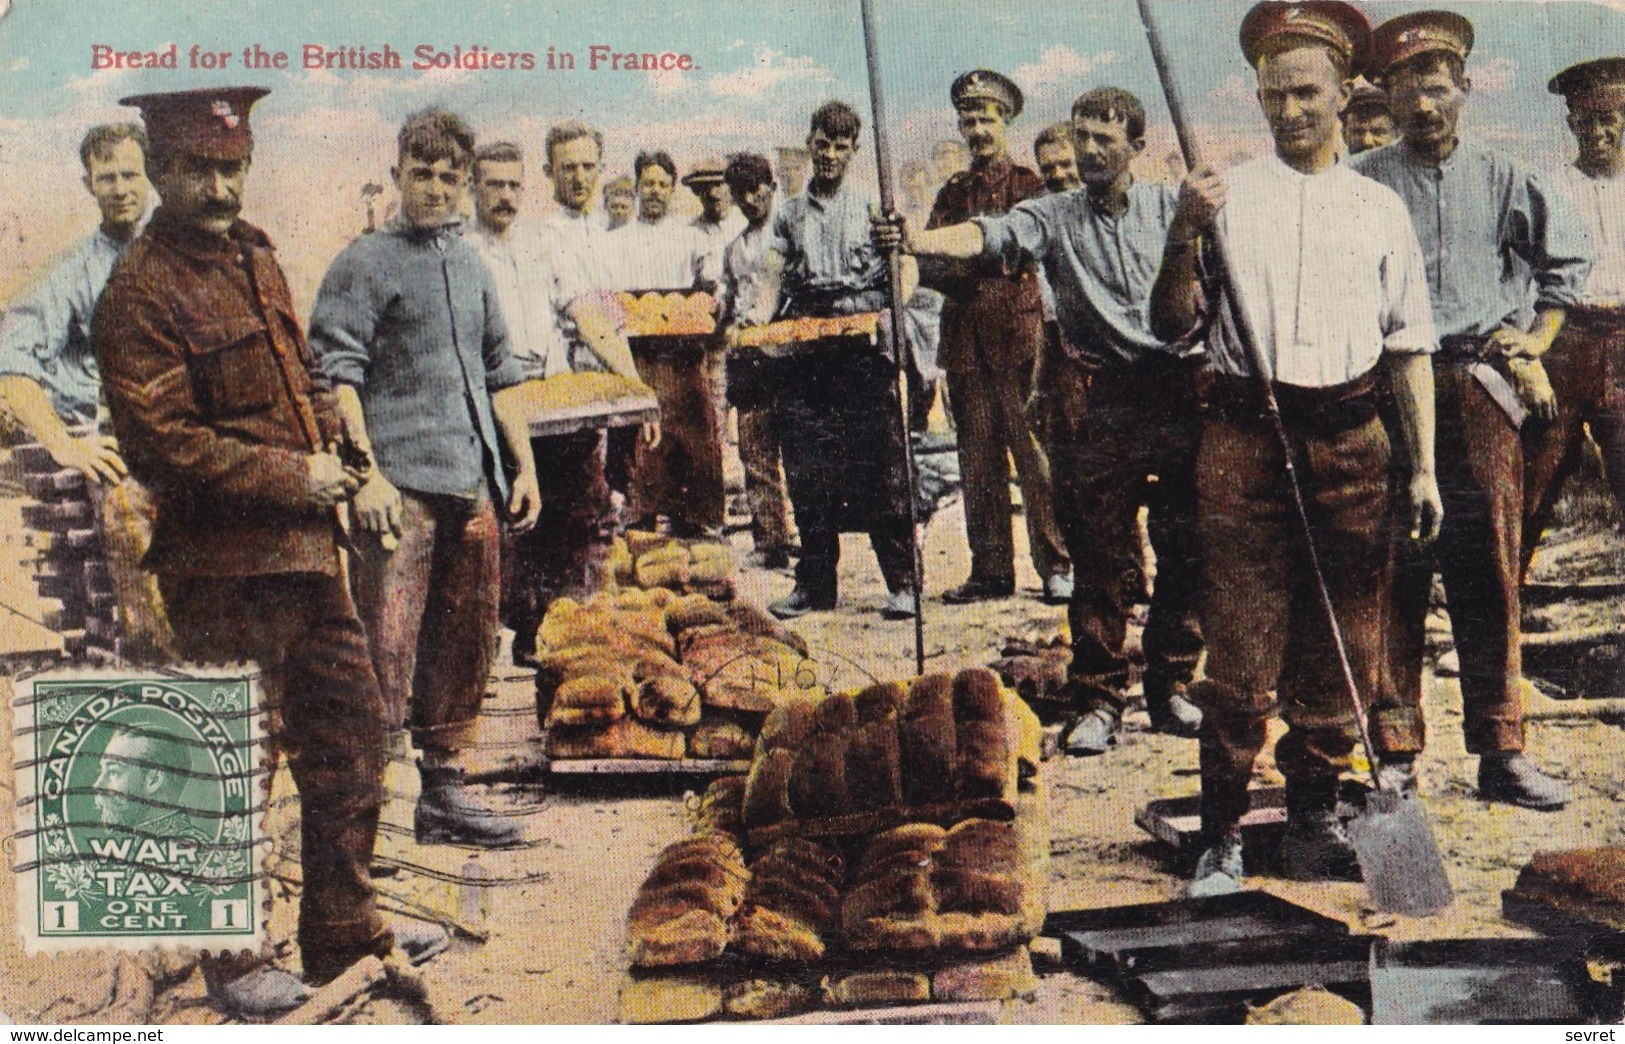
x,y
218,407
718,221
1587,361
992,325
1473,208
1368,122
1329,274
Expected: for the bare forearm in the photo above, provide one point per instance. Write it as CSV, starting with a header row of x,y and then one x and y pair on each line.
x,y
599,334
351,416
1411,375
1176,296
908,273
963,242
32,407
514,425
1548,322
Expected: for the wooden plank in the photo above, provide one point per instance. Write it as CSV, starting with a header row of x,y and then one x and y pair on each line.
x,y
645,766
613,413
952,1013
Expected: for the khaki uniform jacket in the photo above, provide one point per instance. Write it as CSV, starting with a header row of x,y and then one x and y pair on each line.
x,y
993,316
215,403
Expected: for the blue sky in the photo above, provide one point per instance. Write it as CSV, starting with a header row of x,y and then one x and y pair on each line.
x,y
760,65
761,68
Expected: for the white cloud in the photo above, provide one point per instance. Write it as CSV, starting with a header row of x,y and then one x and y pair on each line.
x,y
1235,90
665,82
769,69
1060,68
1496,75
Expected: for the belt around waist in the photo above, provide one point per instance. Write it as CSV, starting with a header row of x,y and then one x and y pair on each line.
x,y
1334,408
1595,318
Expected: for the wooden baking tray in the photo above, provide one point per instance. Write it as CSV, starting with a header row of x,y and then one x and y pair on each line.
x,y
612,413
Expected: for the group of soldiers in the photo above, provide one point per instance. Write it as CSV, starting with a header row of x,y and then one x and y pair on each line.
x,y
331,499
1435,319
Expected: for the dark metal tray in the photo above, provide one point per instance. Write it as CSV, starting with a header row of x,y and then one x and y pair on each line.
x,y
1478,982
1111,940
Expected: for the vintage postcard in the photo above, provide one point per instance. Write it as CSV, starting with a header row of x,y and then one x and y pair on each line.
x,y
853,512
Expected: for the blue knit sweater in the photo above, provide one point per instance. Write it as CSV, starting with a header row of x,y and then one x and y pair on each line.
x,y
409,317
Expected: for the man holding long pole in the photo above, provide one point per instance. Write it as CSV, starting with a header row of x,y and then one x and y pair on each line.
x,y
1325,272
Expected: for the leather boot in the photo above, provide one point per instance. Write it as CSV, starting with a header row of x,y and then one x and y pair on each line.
x,y
1168,703
1219,870
1315,846
1510,777
449,813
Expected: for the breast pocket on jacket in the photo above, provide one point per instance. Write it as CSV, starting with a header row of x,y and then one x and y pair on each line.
x,y
233,372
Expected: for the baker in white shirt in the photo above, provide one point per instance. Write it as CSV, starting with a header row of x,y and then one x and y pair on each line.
x,y
679,478
537,272
719,221
1586,365
657,251
1330,274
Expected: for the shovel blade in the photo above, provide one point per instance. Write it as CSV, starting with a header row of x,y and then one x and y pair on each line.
x,y
1399,858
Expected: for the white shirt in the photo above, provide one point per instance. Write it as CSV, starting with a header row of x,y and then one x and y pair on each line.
x,y
1601,202
581,260
523,273
661,256
714,237
1330,271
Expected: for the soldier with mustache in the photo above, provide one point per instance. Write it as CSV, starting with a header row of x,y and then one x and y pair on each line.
x,y
992,323
218,408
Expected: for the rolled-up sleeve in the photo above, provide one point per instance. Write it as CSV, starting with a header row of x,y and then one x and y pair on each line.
x,y
1407,310
34,330
343,322
1016,237
1548,233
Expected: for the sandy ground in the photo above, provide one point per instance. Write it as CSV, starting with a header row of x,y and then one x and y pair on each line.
x,y
554,911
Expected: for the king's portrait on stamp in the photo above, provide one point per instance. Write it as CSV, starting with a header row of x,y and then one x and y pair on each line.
x,y
946,512
141,800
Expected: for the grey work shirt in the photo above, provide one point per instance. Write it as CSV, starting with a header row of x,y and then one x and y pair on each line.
x,y
46,335
409,317
1100,268
829,259
1477,215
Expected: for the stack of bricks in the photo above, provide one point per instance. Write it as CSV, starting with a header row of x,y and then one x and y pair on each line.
x,y
72,572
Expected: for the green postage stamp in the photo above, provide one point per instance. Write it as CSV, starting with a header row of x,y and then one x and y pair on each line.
x,y
139,811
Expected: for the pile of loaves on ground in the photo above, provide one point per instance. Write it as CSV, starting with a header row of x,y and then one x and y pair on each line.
x,y
655,674
898,820
651,561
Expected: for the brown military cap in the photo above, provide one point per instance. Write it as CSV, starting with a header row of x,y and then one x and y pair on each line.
x,y
210,121
1425,32
707,171
1331,22
1595,85
985,85
1368,98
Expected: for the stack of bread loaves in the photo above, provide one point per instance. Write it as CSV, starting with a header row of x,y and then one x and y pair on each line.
x,y
903,822
655,674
